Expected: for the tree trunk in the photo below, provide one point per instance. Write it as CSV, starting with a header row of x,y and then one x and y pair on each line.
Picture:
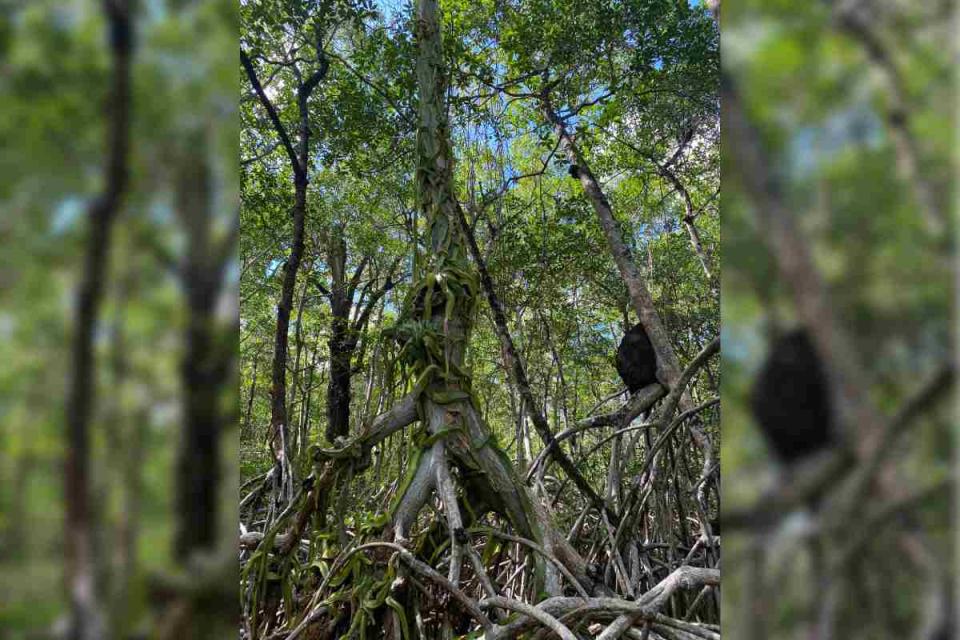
x,y
346,332
338,393
124,453
668,366
295,445
251,395
340,346
299,162
85,620
204,367
445,288
279,432
306,397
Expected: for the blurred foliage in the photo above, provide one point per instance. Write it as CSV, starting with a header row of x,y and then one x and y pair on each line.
x,y
826,116
53,80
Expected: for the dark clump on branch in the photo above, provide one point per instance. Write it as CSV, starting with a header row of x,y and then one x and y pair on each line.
x,y
715,526
574,171
636,359
791,399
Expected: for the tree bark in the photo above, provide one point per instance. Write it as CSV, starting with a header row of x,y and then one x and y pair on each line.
x,y
689,219
339,344
295,446
252,394
345,334
668,367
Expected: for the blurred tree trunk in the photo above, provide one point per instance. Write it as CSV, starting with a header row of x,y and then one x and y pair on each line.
x,y
85,620
205,368
125,456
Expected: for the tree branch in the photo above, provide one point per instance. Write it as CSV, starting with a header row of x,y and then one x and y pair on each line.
x,y
298,169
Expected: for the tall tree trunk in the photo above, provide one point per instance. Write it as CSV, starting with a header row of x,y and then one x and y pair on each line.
x,y
128,527
668,365
299,162
306,396
374,375
251,395
339,343
204,367
123,452
295,445
279,431
85,620
446,286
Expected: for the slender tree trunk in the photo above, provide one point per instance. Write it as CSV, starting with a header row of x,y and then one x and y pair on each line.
x,y
279,431
128,527
520,376
668,365
251,394
306,396
295,444
299,161
341,356
85,621
689,220
123,451
374,375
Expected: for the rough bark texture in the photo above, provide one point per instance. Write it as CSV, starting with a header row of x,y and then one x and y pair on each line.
x,y
340,344
85,620
345,333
